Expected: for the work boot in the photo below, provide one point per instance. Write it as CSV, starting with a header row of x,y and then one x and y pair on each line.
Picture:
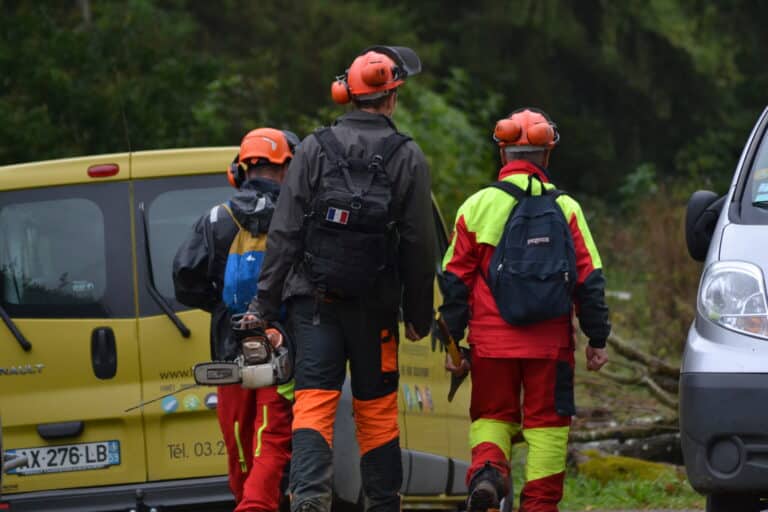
x,y
485,490
308,506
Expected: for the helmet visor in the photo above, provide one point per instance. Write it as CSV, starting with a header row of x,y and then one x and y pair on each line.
x,y
403,56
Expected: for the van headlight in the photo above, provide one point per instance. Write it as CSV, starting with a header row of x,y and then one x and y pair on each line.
x,y
732,294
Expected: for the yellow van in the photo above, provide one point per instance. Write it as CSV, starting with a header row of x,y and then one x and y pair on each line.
x,y
90,328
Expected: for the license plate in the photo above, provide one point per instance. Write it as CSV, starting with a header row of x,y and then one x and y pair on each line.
x,y
68,457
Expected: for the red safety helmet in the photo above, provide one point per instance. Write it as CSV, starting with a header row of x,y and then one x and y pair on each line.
x,y
374,73
262,145
526,129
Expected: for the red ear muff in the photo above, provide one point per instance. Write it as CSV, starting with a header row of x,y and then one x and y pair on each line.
x,y
541,134
507,131
340,91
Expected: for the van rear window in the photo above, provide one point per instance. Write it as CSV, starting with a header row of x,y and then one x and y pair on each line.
x,y
171,217
172,207
53,252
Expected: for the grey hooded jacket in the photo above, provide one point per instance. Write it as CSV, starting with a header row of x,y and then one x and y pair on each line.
x,y
411,284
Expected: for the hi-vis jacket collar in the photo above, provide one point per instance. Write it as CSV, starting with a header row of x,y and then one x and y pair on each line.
x,y
524,167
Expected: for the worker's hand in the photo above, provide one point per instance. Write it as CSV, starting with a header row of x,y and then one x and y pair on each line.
x,y
410,332
458,371
596,358
249,320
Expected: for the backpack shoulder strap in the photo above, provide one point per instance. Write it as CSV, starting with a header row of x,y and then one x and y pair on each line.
x,y
388,146
330,144
509,188
227,208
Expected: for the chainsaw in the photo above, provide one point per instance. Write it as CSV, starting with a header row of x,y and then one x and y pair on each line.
x,y
266,358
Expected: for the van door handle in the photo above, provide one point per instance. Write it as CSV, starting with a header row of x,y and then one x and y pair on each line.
x,y
51,431
103,352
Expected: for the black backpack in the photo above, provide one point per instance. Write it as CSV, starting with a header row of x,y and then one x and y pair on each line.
x,y
350,234
533,272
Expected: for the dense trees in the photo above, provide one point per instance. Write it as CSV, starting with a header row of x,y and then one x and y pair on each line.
x,y
664,87
643,91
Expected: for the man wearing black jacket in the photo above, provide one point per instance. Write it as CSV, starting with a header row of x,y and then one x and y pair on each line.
x,y
255,423
352,242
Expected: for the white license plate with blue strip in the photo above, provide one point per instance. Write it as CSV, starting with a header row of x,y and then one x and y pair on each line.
x,y
69,457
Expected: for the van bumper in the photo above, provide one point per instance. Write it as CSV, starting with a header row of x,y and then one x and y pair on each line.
x,y
187,493
724,431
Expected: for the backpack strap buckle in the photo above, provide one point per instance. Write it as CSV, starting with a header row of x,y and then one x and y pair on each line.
x,y
376,162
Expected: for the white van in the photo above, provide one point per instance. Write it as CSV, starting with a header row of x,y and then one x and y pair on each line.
x,y
724,377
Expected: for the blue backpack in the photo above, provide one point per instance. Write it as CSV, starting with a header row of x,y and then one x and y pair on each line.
x,y
241,274
532,272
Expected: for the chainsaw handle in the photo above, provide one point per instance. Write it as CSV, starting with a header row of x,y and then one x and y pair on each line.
x,y
450,344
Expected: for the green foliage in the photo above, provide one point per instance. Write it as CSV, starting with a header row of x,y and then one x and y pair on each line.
x,y
644,94
147,74
460,154
640,183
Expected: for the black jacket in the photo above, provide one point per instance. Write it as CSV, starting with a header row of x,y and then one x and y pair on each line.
x,y
282,275
198,268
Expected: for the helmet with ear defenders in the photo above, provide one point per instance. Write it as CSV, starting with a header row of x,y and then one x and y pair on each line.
x,y
236,172
526,129
374,73
262,145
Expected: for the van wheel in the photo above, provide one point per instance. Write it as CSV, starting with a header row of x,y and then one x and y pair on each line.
x,y
733,502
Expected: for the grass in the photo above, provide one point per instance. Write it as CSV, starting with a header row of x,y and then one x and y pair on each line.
x,y
582,493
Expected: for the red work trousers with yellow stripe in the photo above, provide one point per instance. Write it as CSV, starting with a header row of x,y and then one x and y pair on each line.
x,y
327,334
536,394
256,425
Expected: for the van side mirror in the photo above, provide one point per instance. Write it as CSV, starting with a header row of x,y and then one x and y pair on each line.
x,y
701,217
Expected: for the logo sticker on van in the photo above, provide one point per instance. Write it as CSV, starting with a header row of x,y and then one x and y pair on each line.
x,y
23,369
170,404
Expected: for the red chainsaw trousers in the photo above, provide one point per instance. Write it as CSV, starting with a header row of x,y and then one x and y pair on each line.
x,y
256,425
528,397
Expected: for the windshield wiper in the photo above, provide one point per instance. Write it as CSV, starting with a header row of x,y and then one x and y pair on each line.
x,y
25,344
760,204
152,289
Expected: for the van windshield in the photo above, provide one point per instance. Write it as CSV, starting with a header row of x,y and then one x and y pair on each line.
x,y
754,208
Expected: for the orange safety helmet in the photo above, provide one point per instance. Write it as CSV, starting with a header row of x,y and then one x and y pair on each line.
x,y
259,145
374,73
526,129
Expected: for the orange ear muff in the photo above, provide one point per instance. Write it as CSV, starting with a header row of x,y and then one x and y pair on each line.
x,y
231,176
376,73
235,173
507,130
340,92
540,134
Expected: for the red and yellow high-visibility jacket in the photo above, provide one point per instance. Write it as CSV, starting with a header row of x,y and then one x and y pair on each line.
x,y
468,300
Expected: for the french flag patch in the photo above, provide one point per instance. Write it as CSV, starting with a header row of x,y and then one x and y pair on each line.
x,y
337,215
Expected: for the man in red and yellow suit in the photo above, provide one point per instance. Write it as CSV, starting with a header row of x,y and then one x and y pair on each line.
x,y
522,375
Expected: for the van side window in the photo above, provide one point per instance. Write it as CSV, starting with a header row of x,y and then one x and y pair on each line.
x,y
752,188
172,207
53,252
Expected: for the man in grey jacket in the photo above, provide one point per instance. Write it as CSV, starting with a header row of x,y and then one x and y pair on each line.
x,y
351,242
